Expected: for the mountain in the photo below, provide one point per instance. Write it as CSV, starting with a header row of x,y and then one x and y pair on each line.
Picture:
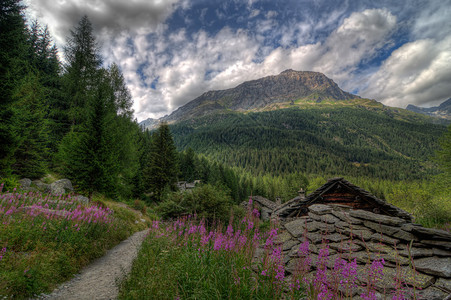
x,y
303,122
271,92
149,123
442,111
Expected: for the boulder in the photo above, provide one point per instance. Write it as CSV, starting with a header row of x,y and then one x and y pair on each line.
x,y
41,186
25,183
61,186
81,199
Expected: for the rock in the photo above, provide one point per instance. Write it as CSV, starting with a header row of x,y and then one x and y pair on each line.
x,y
441,252
81,199
342,225
329,219
405,236
387,220
392,275
335,238
25,183
61,186
416,252
432,293
377,237
443,284
361,234
41,186
379,248
440,243
296,227
380,228
296,263
438,266
282,238
294,252
345,217
315,238
320,209
345,247
289,244
432,233
315,226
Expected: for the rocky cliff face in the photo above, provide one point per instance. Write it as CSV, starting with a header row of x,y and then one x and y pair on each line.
x,y
442,111
287,87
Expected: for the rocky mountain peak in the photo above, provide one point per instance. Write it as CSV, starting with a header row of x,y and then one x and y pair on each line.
x,y
443,111
285,88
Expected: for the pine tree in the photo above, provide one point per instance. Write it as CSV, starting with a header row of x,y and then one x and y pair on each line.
x,y
87,153
13,67
82,63
31,128
163,165
187,165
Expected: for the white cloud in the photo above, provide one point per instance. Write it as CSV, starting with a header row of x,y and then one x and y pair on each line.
x,y
108,17
418,72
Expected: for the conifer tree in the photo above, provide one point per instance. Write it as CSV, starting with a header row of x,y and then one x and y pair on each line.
x,y
163,164
31,128
82,63
13,66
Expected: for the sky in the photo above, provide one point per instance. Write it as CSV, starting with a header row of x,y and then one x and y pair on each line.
x,y
172,51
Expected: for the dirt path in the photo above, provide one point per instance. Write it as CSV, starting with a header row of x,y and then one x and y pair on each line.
x,y
99,279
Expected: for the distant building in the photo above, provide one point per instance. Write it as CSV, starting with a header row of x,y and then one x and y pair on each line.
x,y
184,185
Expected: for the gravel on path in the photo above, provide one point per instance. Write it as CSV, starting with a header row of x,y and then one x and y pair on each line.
x,y
99,280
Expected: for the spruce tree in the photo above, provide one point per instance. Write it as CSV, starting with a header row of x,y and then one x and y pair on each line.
x,y
163,163
31,128
13,67
82,63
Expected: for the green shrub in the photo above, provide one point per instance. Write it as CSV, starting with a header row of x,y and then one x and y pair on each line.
x,y
206,201
140,205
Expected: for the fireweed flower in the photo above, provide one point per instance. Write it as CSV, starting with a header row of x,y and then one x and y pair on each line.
x,y
255,213
2,253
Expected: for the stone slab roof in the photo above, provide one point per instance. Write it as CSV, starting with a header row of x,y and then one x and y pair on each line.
x,y
364,195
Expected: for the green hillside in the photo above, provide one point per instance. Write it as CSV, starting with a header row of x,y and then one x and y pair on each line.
x,y
328,139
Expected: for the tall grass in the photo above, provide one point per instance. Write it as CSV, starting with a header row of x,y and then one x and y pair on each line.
x,y
185,260
45,239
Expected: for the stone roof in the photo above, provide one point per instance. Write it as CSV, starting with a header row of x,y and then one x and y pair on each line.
x,y
287,206
417,256
364,195
265,202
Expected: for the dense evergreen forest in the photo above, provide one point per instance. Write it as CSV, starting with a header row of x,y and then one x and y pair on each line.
x,y
328,141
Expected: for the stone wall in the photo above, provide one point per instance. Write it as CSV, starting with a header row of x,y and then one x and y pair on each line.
x,y
419,257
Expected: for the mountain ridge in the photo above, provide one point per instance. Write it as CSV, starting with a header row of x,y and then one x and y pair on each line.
x,y
285,88
442,111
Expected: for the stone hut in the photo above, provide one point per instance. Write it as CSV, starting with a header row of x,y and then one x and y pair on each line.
x,y
353,224
417,257
265,206
342,192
